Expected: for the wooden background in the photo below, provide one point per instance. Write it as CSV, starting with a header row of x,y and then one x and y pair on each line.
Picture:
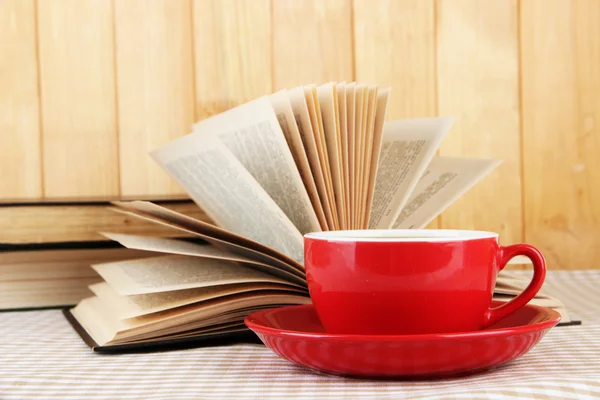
x,y
88,87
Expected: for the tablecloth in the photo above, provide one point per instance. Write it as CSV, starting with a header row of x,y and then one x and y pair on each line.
x,y
42,357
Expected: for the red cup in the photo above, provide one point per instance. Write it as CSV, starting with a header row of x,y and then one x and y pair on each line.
x,y
381,282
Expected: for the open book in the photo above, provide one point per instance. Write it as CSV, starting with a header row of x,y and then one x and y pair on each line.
x,y
312,158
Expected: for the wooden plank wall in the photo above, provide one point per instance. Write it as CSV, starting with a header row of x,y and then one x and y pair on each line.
x,y
88,87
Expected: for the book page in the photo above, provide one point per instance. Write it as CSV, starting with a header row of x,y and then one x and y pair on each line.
x,y
289,126
328,105
209,330
219,317
344,188
225,190
368,149
222,313
299,106
182,247
443,182
508,282
382,101
100,322
104,327
350,115
214,235
517,291
342,123
361,158
167,273
314,110
212,312
252,134
142,304
538,301
355,169
407,148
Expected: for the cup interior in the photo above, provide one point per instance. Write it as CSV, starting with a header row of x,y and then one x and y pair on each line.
x,y
401,235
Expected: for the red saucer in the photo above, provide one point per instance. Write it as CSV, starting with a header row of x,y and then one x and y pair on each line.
x,y
296,334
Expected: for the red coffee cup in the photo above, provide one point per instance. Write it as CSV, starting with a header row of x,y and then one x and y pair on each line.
x,y
380,282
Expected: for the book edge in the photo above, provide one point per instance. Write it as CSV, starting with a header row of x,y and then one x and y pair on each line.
x,y
217,339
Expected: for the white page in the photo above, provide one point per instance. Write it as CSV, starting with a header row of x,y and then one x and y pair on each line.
x,y
234,307
342,118
444,181
290,128
328,104
350,125
167,273
225,190
142,304
316,118
299,105
382,101
104,327
367,154
407,148
210,233
360,99
182,247
252,134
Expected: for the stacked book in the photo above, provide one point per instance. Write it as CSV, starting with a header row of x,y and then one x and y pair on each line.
x,y
46,249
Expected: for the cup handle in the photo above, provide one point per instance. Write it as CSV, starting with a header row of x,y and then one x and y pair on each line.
x,y
504,255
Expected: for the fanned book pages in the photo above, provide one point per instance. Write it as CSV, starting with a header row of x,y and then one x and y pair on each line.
x,y
311,158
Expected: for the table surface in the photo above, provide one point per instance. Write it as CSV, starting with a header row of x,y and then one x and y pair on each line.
x,y
42,357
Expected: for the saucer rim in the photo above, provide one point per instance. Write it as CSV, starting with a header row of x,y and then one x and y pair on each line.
x,y
554,318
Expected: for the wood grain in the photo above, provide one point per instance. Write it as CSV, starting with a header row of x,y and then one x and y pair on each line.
x,y
77,79
107,85
20,156
561,130
80,223
312,42
395,47
478,84
232,53
155,86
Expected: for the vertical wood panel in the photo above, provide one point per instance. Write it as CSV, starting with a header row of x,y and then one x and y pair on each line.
x,y
232,53
561,129
155,88
75,39
312,42
478,83
166,68
20,157
395,46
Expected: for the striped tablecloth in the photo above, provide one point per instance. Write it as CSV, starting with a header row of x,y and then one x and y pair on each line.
x,y
41,357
